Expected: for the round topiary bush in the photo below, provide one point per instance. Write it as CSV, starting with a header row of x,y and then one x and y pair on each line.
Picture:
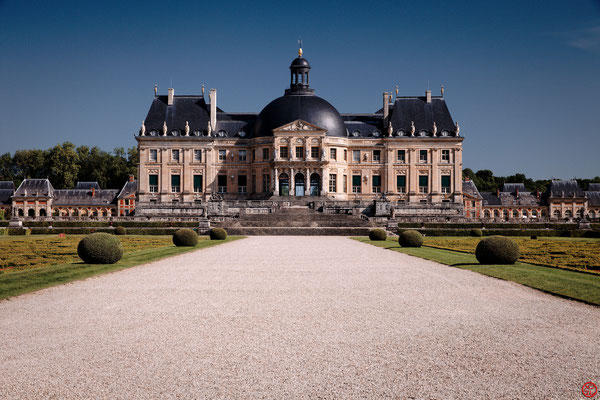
x,y
185,237
410,238
218,234
497,250
119,230
100,248
377,234
476,232
533,237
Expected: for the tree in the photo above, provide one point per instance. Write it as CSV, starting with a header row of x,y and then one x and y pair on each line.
x,y
62,164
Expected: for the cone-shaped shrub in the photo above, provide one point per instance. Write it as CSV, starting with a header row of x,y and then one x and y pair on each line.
x,y
119,230
100,248
218,234
377,234
497,250
410,238
476,232
185,237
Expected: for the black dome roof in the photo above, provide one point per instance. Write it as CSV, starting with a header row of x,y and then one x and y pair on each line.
x,y
309,108
300,62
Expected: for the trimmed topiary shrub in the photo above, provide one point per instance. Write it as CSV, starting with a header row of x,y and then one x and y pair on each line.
x,y
377,234
410,238
100,248
497,250
533,236
218,234
185,237
476,232
119,230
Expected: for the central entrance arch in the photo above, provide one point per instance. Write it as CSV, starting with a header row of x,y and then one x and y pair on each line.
x,y
299,180
284,184
315,184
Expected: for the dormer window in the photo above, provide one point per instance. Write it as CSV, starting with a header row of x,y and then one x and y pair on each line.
x,y
445,133
423,133
376,133
175,132
154,132
242,133
197,133
356,133
401,132
222,133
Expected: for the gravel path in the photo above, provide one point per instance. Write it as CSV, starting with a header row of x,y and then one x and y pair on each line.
x,y
296,317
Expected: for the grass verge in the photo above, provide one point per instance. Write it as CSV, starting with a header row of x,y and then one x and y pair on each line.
x,y
561,282
16,282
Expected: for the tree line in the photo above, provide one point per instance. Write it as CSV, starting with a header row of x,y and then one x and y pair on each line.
x,y
65,165
485,181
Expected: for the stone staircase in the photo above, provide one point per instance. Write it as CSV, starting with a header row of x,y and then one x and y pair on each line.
x,y
297,220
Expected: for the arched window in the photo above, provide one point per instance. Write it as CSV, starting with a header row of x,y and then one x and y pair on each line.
x,y
557,214
42,212
581,213
505,214
569,214
31,212
496,214
534,213
486,214
515,214
592,215
525,215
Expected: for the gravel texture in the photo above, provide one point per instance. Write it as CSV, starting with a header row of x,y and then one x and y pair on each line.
x,y
296,317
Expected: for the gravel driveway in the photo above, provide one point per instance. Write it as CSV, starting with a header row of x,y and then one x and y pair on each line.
x,y
296,317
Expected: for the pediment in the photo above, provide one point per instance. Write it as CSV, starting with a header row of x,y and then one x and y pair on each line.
x,y
299,126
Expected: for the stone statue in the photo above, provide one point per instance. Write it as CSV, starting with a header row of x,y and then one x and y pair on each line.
x,y
322,154
307,153
434,129
390,129
187,129
412,128
202,90
164,128
457,130
209,129
143,129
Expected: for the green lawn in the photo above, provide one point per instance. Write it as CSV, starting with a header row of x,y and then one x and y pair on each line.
x,y
561,282
20,281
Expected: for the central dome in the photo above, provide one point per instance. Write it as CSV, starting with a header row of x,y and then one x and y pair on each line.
x,y
299,102
289,108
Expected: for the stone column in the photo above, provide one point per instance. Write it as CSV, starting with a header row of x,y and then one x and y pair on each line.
x,y
413,184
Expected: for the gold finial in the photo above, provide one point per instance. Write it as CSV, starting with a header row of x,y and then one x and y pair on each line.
x,y
396,90
299,47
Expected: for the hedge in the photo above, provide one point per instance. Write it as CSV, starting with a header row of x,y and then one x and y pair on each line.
x,y
19,231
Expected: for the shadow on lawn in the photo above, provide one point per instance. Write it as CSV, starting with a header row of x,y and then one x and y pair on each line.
x,y
463,264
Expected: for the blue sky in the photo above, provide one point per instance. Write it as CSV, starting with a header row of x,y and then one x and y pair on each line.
x,y
522,78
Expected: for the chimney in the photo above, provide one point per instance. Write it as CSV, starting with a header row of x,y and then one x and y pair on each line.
x,y
171,95
93,191
386,108
131,177
428,95
213,108
537,194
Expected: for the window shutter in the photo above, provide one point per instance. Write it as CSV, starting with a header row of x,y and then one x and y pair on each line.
x,y
376,180
197,181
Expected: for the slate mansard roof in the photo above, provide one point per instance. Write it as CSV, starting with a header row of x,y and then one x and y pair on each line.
x,y
300,103
87,185
7,189
130,188
565,188
35,188
84,197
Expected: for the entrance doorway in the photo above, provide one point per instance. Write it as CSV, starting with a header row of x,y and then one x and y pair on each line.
x,y
299,179
284,185
315,184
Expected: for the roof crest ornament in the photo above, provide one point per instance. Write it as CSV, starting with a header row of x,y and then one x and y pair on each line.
x,y
155,90
390,129
434,129
187,128
457,130
202,90
143,129
412,128
299,47
209,129
164,128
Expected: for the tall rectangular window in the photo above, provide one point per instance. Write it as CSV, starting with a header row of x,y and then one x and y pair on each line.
x,y
376,155
401,156
356,185
242,155
376,184
253,154
221,183
356,155
333,154
242,184
197,183
283,152
265,154
153,183
401,183
345,155
222,155
253,188
175,183
314,152
445,156
423,184
198,155
299,152
445,183
423,156
153,155
332,183
266,179
345,184
175,155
